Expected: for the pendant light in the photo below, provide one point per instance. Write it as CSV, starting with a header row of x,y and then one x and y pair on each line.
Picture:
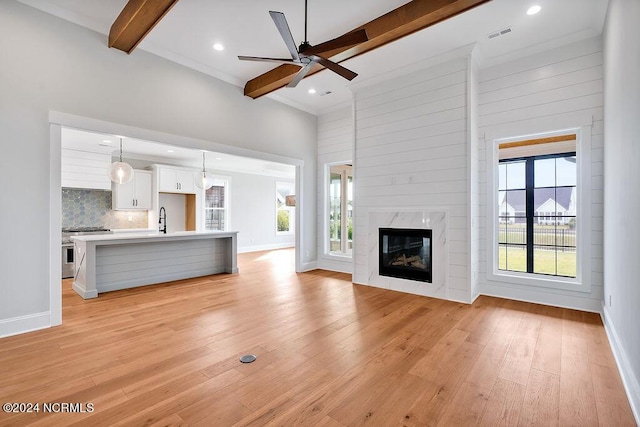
x,y
120,172
202,179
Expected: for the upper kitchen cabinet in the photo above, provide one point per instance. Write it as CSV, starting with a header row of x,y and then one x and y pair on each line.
x,y
135,194
176,180
83,169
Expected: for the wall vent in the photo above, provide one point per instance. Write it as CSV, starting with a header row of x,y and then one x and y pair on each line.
x,y
499,33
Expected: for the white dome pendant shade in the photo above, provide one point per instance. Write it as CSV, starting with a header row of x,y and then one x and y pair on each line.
x,y
120,172
203,180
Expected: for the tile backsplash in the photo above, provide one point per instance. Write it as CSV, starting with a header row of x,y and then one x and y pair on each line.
x,y
92,208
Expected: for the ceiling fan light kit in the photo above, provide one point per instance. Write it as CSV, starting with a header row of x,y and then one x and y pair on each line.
x,y
307,56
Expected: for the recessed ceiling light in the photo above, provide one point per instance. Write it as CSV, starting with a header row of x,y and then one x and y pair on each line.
x,y
170,151
534,9
219,47
312,91
106,141
218,158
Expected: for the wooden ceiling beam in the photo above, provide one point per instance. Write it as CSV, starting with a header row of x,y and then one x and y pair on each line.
x,y
407,19
135,21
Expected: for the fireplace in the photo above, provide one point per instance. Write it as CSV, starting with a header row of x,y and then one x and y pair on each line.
x,y
405,253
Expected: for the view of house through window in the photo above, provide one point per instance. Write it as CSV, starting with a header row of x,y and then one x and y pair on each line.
x,y
341,209
284,207
537,214
215,206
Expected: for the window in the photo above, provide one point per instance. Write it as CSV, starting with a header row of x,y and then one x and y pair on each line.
x,y
539,209
340,192
537,197
285,202
542,237
216,206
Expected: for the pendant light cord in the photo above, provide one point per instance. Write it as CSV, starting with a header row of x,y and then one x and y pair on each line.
x,y
305,22
204,172
120,150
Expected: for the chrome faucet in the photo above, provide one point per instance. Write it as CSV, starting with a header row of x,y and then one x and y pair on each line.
x,y
162,220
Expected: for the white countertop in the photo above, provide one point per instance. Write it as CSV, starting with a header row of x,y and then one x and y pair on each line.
x,y
129,236
134,230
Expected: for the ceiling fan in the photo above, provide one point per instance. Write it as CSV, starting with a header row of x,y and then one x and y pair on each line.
x,y
306,56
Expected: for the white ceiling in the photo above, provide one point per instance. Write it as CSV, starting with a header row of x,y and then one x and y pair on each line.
x,y
167,154
244,27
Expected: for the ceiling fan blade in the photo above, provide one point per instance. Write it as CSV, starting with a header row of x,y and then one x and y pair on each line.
x,y
301,74
283,27
344,41
261,59
335,67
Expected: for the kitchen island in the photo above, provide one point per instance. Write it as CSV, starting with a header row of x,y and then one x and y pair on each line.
x,y
110,262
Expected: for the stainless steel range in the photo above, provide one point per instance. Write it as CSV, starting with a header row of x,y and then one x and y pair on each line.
x,y
68,255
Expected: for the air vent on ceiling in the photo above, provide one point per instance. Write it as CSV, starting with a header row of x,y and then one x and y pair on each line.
x,y
325,93
499,33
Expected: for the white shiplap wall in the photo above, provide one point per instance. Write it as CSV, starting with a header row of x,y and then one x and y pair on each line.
x,y
553,90
411,153
335,144
82,169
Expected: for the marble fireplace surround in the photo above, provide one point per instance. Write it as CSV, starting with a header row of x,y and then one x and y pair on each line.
x,y
436,220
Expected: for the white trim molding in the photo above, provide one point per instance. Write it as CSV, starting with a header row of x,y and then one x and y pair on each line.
x,y
270,247
629,380
341,264
582,283
55,221
24,324
308,266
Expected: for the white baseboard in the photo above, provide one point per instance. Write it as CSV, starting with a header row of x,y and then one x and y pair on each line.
x,y
458,295
542,297
308,266
23,324
336,265
475,297
270,247
630,382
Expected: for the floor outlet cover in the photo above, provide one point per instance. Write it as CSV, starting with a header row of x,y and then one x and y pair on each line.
x,y
248,358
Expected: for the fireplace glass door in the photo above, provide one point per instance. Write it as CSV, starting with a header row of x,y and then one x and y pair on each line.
x,y
405,253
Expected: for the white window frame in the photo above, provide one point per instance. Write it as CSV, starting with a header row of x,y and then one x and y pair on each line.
x,y
582,281
327,220
292,216
227,203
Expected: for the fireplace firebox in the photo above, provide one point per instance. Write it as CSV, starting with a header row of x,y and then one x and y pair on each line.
x,y
405,253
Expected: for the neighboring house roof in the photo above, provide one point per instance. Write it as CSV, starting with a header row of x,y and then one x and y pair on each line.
x,y
517,199
550,206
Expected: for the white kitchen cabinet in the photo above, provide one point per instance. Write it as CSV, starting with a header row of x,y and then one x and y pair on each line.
x,y
135,194
174,180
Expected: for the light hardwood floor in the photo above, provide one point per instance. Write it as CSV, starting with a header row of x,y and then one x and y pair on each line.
x,y
329,354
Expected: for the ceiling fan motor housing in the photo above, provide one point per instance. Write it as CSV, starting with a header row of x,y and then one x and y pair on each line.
x,y
304,46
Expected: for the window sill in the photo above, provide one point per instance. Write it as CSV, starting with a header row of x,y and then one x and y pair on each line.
x,y
540,281
344,257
